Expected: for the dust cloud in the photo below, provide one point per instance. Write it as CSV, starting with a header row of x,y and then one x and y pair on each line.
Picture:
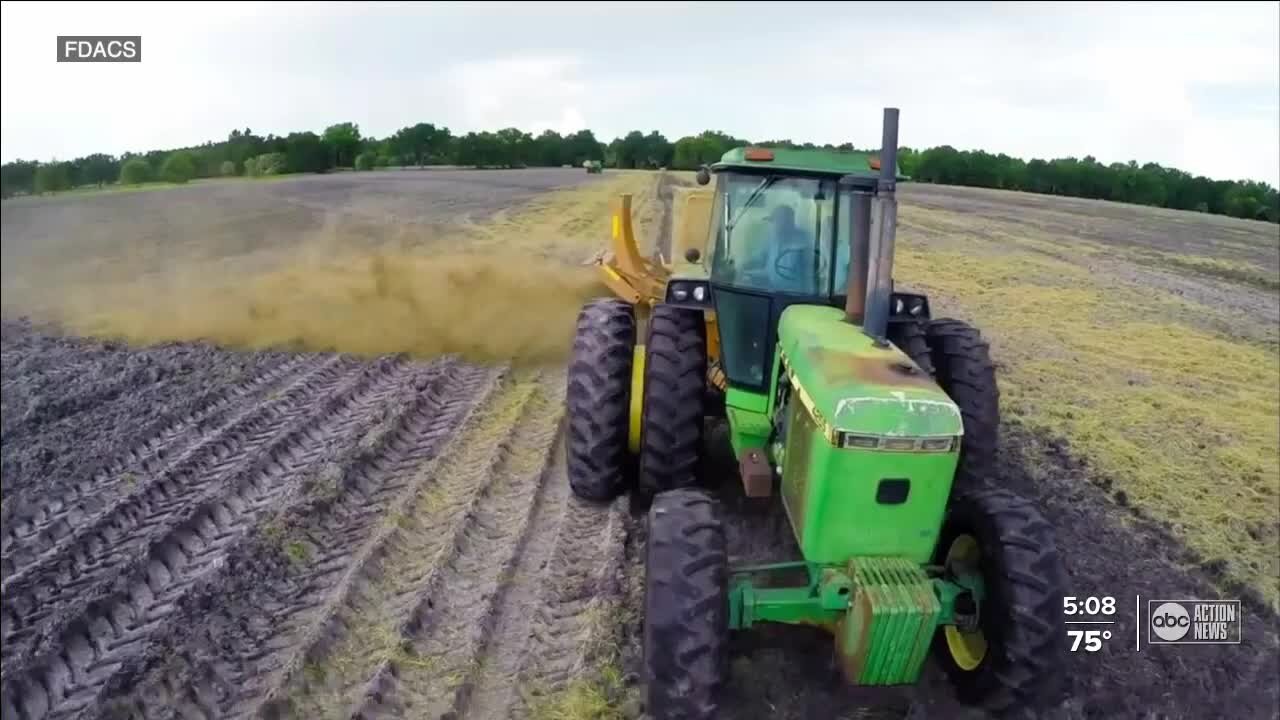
x,y
485,307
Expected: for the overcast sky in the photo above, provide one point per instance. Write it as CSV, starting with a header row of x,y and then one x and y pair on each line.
x,y
1195,86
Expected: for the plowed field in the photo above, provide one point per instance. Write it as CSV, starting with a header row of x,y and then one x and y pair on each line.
x,y
293,449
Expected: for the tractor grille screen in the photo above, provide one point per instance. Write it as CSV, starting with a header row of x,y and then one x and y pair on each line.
x,y
744,336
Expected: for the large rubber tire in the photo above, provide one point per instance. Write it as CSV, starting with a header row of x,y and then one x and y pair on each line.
x,y
962,366
686,607
598,400
1020,616
675,386
909,337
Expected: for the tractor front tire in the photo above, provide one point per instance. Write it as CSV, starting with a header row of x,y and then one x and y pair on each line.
x,y
909,337
675,390
686,607
598,400
962,366
1019,632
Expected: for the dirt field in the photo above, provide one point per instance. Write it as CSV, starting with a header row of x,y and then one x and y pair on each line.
x,y
351,500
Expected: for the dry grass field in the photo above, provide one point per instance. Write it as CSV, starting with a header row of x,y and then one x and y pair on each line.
x,y
293,448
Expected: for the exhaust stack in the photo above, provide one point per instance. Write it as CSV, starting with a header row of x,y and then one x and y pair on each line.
x,y
855,303
884,227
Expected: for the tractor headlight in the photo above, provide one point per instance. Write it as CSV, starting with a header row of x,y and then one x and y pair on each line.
x,y
945,444
688,292
909,305
898,444
866,442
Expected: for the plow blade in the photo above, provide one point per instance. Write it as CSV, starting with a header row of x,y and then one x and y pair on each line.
x,y
631,276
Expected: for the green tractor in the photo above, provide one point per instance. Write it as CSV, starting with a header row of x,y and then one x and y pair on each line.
x,y
874,424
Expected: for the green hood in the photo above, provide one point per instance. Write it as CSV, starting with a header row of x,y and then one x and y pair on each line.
x,y
850,385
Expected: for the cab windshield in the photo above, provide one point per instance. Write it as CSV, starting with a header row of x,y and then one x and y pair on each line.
x,y
777,234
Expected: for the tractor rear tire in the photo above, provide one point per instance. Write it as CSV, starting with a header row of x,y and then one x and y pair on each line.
x,y
686,607
598,400
962,366
675,389
909,337
1020,617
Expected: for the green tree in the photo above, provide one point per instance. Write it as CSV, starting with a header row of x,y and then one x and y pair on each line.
x,y
425,143
628,150
420,144
343,142
707,147
515,147
227,168
550,150
18,177
135,171
179,167
98,169
364,161
656,151
582,146
305,152
273,163
482,149
53,177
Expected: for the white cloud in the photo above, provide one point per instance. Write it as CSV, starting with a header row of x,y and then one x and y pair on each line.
x,y
571,121
533,93
1192,86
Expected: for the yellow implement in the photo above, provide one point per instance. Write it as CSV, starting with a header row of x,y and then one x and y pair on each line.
x,y
642,281
631,276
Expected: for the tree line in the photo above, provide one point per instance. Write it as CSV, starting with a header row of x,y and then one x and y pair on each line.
x,y
343,146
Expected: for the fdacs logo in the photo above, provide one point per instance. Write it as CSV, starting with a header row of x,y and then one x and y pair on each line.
x,y
99,48
1204,622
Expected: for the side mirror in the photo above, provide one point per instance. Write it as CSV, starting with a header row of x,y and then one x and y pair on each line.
x,y
704,175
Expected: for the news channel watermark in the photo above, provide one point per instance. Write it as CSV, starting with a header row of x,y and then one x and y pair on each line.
x,y
1193,622
100,48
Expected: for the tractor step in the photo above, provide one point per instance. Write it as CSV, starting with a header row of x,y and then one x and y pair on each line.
x,y
884,637
757,477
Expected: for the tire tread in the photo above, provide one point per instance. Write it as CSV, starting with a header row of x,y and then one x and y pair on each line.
x,y
598,399
686,622
1025,581
962,365
674,397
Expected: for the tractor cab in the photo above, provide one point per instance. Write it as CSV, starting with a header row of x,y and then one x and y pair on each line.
x,y
779,236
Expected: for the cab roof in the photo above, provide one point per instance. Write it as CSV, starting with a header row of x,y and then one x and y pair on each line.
x,y
862,165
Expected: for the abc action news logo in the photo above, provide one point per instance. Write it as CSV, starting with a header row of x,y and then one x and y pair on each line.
x,y
1194,622
99,48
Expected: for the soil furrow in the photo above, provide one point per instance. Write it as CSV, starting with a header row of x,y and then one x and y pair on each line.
x,y
578,602
368,630
95,550
452,636
35,367
110,621
34,536
492,692
62,458
276,604
137,370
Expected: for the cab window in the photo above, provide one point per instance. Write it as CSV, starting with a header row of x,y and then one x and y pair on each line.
x,y
774,233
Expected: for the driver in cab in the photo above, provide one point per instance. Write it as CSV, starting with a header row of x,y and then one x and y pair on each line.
x,y
789,253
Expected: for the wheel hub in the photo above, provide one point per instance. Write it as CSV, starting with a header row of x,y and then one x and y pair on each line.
x,y
965,640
